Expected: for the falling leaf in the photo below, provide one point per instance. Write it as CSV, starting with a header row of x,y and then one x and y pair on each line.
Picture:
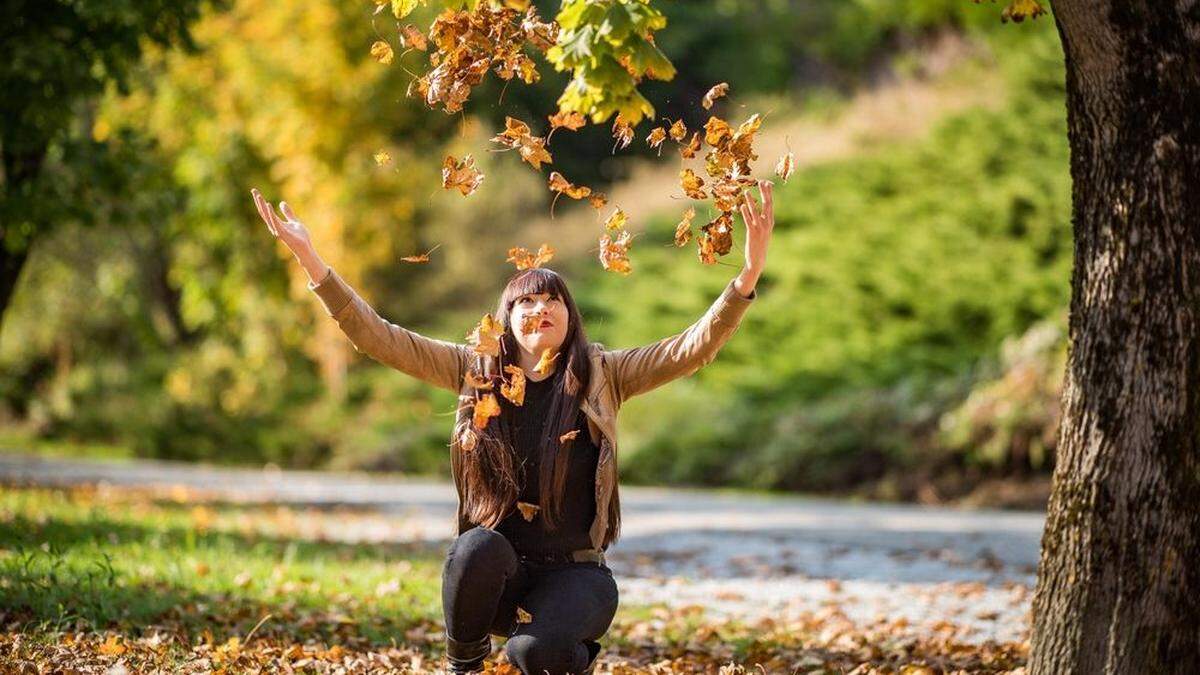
x,y
515,391
382,51
476,381
598,200
683,231
523,616
527,512
420,258
485,409
569,436
1017,10
529,323
623,132
383,158
516,135
463,176
618,220
563,186
543,34
678,131
524,260
543,364
571,120
693,146
614,254
691,184
713,94
785,166
717,132
412,37
402,8
485,337
656,137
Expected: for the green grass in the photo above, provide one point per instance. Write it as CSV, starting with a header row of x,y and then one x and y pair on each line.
x,y
76,560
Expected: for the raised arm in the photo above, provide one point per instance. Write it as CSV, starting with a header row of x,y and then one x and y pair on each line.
x,y
438,362
640,369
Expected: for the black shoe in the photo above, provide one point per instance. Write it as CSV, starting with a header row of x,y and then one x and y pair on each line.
x,y
467,656
593,656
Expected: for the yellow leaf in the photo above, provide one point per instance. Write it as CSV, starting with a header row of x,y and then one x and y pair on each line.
x,y
382,51
543,364
523,616
112,647
1017,10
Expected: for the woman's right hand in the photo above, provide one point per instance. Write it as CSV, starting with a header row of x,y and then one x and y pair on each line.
x,y
287,229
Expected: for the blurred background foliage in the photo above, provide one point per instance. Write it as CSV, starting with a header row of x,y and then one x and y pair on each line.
x,y
907,343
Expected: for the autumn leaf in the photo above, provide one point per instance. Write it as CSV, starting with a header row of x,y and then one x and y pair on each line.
x,y
598,200
383,158
623,132
420,258
523,616
717,132
713,94
683,231
529,323
485,337
618,220
678,131
693,146
476,381
543,364
468,439
462,175
614,254
515,391
572,120
485,409
516,135
785,166
1017,10
402,8
524,260
656,137
382,52
569,436
527,512
113,646
561,185
543,34
412,37
691,184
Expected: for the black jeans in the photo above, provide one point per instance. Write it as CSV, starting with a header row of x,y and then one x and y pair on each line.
x,y
571,603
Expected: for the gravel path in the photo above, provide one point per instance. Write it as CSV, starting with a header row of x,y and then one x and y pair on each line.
x,y
967,573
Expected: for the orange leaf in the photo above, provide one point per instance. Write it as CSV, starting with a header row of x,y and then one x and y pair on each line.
x,y
485,409
713,94
527,512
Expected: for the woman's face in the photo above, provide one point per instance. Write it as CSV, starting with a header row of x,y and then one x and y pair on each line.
x,y
547,322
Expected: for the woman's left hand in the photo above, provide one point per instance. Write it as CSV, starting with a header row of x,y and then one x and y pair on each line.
x,y
759,224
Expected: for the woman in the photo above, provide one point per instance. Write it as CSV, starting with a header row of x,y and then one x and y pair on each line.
x,y
537,484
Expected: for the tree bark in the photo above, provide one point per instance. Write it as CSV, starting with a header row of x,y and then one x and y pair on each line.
x,y
1118,587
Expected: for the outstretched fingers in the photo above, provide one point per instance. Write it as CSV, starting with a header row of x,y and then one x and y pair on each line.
x,y
261,205
767,188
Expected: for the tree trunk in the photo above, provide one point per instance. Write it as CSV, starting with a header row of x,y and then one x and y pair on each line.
x,y
1118,586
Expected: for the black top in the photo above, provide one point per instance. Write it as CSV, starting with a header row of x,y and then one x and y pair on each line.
x,y
579,498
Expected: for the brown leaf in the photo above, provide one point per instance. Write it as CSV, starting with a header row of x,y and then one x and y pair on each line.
x,y
514,391
569,436
524,259
462,175
527,512
614,254
713,94
683,231
561,185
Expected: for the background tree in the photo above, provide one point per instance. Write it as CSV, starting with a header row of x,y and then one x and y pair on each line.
x,y
55,59
1118,578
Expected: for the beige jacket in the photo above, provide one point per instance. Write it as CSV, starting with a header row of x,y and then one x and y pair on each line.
x,y
617,374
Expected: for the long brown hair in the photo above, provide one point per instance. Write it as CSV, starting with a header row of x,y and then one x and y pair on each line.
x,y
491,473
